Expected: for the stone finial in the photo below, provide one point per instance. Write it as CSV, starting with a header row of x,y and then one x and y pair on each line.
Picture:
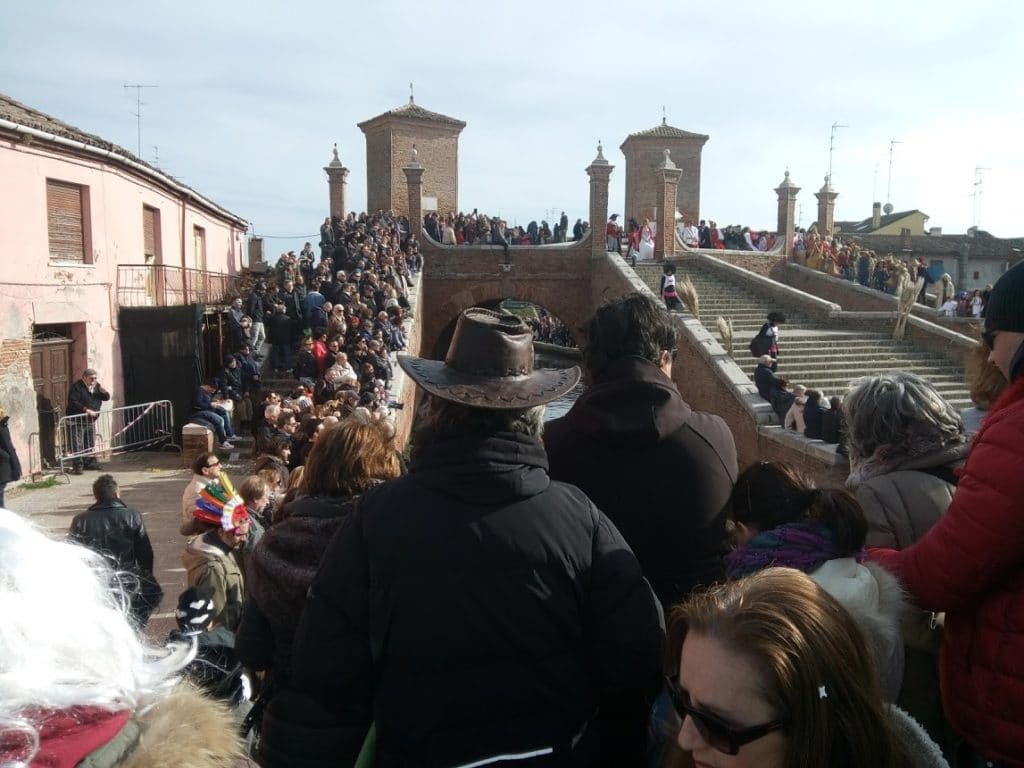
x,y
335,160
827,186
336,151
666,163
664,120
787,183
600,159
412,99
415,154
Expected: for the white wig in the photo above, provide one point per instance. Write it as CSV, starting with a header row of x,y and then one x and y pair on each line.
x,y
65,635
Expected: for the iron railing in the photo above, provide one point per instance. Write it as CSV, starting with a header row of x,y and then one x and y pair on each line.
x,y
150,285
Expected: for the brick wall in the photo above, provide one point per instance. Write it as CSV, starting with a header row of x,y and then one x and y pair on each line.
x,y
379,190
456,277
389,147
17,395
643,156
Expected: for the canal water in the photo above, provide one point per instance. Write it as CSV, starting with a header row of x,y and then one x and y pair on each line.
x,y
561,406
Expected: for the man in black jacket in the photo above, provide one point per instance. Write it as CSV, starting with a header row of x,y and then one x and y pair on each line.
x,y
116,531
660,470
474,607
85,399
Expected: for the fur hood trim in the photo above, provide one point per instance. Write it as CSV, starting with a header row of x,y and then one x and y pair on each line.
x,y
877,602
187,730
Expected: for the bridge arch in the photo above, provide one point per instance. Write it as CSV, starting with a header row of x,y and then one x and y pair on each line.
x,y
559,281
440,346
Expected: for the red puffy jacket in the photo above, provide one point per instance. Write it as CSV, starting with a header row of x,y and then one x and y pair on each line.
x,y
971,564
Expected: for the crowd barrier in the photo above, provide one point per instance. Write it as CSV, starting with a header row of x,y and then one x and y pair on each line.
x,y
82,438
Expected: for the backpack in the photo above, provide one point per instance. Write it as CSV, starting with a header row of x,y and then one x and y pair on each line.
x,y
760,344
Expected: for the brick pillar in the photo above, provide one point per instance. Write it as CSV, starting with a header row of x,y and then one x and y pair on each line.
x,y
414,184
600,170
826,207
665,214
336,173
787,213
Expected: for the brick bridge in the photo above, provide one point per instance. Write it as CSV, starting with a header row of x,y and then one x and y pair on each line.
x,y
568,279
571,280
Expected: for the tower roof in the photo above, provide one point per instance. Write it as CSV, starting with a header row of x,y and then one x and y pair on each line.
x,y
665,131
413,111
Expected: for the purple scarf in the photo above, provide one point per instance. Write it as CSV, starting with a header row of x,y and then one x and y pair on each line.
x,y
804,546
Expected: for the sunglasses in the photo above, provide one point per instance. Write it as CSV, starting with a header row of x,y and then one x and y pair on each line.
x,y
989,337
716,732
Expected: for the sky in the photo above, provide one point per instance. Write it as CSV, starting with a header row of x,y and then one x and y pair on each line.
x,y
251,96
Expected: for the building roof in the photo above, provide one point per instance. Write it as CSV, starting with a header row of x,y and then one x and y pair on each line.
x,y
27,117
865,227
665,131
413,111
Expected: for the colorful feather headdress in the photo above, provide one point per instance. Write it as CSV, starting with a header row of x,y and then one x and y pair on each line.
x,y
218,503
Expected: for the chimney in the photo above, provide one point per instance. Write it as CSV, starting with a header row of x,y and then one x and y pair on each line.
x,y
876,216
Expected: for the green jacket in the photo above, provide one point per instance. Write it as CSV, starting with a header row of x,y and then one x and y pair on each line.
x,y
208,565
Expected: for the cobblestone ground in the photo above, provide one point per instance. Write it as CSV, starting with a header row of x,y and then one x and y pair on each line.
x,y
151,483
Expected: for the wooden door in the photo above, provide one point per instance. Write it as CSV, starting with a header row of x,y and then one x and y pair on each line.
x,y
50,362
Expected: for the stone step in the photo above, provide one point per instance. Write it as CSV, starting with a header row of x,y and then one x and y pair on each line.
x,y
810,353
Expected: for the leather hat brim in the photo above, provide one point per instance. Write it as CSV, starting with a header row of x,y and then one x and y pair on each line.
x,y
501,393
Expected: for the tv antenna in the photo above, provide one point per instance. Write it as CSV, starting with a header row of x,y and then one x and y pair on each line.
x,y
831,145
888,188
976,194
138,112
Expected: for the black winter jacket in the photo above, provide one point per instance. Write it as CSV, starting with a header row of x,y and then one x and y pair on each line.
x,y
80,398
660,470
297,731
474,608
115,529
10,467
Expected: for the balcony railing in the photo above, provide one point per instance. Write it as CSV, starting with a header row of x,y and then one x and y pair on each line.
x,y
144,285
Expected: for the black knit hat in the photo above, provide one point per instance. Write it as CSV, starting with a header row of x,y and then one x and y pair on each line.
x,y
1005,308
195,609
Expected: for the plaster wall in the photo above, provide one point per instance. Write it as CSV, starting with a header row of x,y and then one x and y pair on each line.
x,y
36,290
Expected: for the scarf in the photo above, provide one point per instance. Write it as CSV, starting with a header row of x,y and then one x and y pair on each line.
x,y
804,546
66,736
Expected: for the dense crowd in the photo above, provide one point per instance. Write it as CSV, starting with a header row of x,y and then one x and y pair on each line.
x,y
707,234
481,229
608,589
888,273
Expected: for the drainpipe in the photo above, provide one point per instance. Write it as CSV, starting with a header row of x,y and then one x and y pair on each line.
x,y
184,261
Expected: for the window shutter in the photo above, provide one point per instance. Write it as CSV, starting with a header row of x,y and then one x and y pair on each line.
x,y
64,220
149,233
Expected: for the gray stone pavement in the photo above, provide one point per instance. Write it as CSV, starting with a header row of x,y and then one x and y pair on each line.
x,y
151,483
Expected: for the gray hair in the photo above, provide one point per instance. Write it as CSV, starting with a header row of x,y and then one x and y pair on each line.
x,y
898,414
442,419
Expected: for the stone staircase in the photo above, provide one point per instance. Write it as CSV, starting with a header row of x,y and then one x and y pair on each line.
x,y
810,353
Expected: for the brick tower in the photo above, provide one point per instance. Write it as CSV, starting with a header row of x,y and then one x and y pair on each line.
x,y
645,152
390,138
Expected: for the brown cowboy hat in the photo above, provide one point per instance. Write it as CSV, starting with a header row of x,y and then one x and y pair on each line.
x,y
490,365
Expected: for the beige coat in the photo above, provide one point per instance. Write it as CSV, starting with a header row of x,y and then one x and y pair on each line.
x,y
902,504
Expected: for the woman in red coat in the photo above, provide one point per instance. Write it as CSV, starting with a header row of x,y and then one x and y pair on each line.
x,y
971,563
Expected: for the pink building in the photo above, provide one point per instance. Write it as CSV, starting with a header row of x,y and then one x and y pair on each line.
x,y
85,228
